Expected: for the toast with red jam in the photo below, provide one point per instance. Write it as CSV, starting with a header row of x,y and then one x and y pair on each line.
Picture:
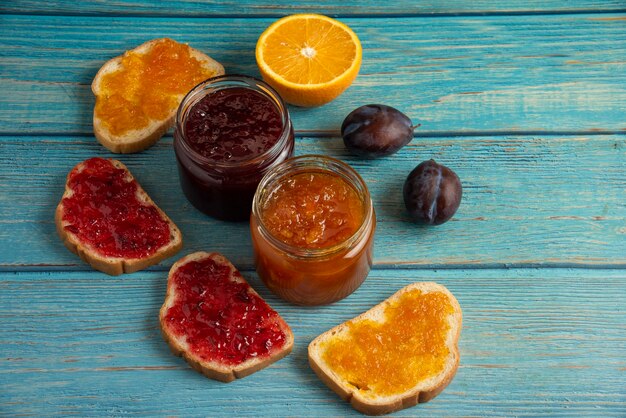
x,y
217,322
108,219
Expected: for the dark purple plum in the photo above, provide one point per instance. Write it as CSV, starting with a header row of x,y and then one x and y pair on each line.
x,y
432,193
376,130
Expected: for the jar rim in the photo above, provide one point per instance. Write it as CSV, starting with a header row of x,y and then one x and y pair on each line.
x,y
225,81
321,163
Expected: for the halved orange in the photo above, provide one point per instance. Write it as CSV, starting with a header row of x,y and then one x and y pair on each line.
x,y
309,59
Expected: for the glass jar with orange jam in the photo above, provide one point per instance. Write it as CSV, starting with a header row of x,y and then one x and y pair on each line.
x,y
312,228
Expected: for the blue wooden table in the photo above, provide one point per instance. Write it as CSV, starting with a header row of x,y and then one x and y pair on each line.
x,y
525,100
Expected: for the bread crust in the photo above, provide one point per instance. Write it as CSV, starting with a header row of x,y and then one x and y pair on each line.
x,y
419,394
115,266
140,139
212,369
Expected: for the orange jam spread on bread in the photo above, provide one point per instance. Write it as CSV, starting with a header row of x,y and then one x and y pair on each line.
x,y
390,357
148,86
313,210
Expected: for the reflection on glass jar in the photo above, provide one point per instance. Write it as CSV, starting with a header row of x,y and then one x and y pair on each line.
x,y
312,228
230,130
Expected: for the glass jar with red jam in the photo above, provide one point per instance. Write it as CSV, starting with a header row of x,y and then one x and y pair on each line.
x,y
312,228
230,130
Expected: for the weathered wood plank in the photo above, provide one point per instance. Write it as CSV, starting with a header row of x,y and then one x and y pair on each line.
x,y
547,342
558,73
527,201
284,7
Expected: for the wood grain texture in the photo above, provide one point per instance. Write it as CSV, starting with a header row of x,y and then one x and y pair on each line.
x,y
455,75
284,7
547,342
527,201
523,99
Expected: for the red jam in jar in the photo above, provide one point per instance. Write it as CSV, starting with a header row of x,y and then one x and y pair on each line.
x,y
312,228
222,320
230,130
233,125
104,212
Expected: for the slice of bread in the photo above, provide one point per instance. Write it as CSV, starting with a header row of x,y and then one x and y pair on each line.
x,y
363,389
108,264
217,278
140,139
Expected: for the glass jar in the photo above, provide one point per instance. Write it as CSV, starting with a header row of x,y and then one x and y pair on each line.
x,y
311,276
215,185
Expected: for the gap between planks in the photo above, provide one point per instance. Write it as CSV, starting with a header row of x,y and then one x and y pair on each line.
x,y
336,15
337,133
381,267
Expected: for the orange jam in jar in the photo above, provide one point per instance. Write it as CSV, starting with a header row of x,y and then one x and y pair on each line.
x,y
312,228
148,86
407,343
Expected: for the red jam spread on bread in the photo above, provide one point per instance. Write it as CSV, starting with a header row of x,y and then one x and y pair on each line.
x,y
104,212
148,86
409,345
234,124
221,319
313,210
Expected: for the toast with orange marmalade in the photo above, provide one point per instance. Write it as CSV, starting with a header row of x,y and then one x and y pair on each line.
x,y
399,353
138,93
